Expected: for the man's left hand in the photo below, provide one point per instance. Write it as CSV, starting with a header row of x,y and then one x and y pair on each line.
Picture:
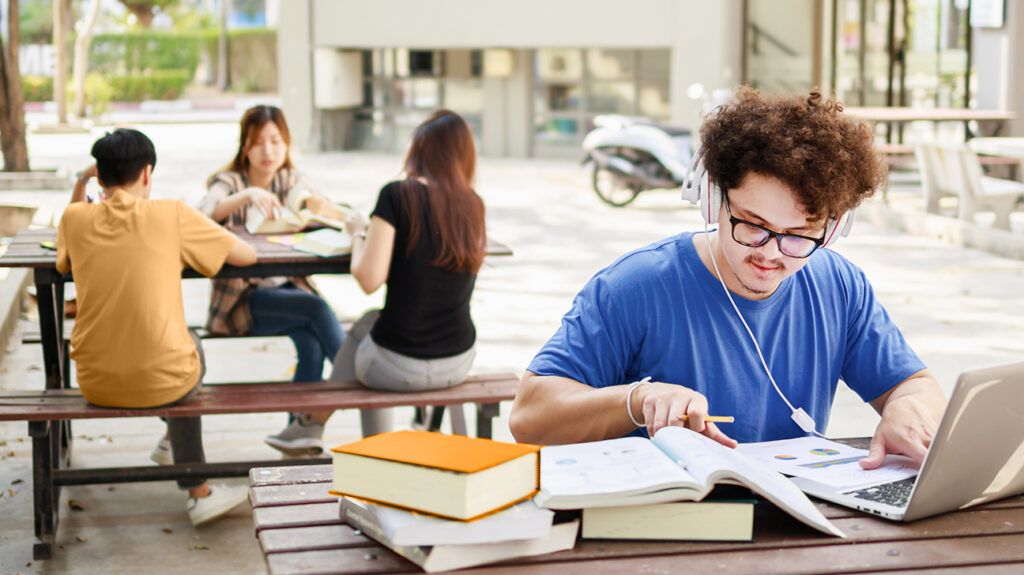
x,y
910,418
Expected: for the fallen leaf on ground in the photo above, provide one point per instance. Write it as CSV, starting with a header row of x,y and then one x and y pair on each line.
x,y
75,505
167,530
17,481
199,547
81,539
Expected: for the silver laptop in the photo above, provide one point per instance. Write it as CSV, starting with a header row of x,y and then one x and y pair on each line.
x,y
977,454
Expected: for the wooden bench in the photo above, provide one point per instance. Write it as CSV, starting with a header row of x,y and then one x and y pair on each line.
x,y
47,413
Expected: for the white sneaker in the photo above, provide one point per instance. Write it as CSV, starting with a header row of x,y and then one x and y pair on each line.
x,y
298,438
162,454
222,499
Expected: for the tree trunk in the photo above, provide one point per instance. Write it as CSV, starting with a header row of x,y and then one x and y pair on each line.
x,y
60,70
12,101
81,65
143,15
222,47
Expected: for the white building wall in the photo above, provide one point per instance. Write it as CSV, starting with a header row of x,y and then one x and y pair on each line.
x,y
705,39
491,23
997,57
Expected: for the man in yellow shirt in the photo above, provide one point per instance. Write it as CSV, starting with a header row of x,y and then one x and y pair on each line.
x,y
130,343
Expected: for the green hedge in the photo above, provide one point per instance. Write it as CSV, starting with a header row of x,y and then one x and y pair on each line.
x,y
140,51
37,88
102,89
155,85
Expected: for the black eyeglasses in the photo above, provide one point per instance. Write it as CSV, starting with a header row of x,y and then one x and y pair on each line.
x,y
755,236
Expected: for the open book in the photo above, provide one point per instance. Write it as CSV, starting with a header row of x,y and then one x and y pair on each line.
x,y
677,464
291,217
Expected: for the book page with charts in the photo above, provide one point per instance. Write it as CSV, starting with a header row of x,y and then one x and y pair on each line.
x,y
678,464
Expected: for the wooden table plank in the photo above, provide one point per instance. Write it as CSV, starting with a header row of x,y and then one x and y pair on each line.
x,y
261,476
287,516
312,539
349,561
295,494
958,552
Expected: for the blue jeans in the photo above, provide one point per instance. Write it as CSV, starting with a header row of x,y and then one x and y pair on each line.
x,y
306,319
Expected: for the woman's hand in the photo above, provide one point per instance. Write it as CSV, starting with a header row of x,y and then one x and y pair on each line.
x,y
265,201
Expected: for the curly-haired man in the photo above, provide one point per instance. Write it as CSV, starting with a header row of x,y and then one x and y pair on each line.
x,y
788,169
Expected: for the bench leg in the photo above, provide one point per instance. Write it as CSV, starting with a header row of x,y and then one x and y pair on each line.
x,y
50,298
45,495
458,413
436,416
485,413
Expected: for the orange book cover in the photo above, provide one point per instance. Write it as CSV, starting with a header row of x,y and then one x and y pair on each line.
x,y
456,453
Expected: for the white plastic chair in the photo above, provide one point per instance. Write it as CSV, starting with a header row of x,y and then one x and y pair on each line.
x,y
978,192
935,180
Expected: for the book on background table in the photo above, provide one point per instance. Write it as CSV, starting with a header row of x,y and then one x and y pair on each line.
x,y
451,476
676,465
292,216
680,521
437,558
326,242
521,521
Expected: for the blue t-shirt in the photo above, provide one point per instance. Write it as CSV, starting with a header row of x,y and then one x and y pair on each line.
x,y
659,312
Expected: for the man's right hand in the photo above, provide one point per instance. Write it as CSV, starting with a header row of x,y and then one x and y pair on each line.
x,y
265,201
665,404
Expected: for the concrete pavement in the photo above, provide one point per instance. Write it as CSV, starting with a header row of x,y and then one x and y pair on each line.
x,y
958,307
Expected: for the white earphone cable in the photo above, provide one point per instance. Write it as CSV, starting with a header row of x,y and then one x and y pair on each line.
x,y
799,415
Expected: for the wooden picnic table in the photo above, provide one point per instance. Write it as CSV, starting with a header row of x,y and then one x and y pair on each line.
x,y
52,444
300,532
899,115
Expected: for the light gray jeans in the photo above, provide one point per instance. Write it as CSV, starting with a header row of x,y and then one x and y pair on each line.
x,y
361,359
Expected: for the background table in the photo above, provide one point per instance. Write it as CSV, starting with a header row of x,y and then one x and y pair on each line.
x,y
299,530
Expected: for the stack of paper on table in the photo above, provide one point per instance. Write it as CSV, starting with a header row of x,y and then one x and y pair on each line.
x,y
825,462
676,465
441,545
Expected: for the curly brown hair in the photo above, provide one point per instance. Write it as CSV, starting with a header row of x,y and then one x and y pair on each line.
x,y
807,143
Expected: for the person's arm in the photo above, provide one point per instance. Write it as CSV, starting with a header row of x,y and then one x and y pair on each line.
x,y
910,412
78,193
551,410
242,254
219,202
371,251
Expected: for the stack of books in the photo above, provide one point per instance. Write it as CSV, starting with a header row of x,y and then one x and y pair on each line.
x,y
446,501
635,488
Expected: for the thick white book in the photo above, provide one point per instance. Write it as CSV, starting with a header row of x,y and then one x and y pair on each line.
x,y
437,558
676,465
402,527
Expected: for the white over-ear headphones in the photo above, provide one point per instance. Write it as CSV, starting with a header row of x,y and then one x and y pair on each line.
x,y
699,189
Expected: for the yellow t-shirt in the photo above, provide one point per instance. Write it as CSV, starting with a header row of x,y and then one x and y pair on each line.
x,y
130,342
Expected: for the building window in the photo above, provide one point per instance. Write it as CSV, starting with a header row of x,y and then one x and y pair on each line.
x,y
571,86
401,88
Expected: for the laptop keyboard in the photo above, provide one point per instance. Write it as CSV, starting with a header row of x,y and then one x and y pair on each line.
x,y
896,493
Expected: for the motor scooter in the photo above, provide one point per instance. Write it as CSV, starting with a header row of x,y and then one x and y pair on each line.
x,y
631,155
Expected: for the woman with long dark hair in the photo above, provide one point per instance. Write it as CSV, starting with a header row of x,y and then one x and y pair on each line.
x,y
262,176
426,241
